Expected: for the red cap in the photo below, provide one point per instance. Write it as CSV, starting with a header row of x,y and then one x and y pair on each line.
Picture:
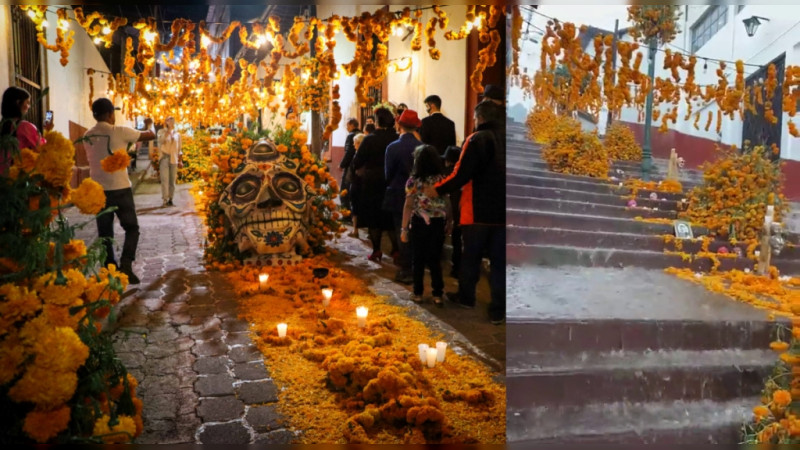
x,y
409,119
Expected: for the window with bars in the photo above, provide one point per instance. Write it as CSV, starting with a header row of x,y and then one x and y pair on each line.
x,y
27,63
707,26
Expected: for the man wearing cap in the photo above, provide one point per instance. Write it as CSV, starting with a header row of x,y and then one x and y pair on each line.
x,y
399,159
437,130
102,140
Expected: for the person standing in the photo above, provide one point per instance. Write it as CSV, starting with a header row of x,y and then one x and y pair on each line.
x,y
450,157
437,130
399,159
427,220
369,166
102,140
169,143
15,105
347,161
355,189
480,175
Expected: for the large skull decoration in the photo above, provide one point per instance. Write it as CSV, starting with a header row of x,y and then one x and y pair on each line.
x,y
267,205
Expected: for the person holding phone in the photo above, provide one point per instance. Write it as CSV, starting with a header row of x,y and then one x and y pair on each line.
x,y
15,105
169,142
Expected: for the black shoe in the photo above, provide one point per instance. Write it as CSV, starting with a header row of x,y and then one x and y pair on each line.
x,y
454,298
404,277
169,203
127,269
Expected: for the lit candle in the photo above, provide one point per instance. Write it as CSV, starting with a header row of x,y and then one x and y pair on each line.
x,y
361,313
441,348
327,293
423,352
432,357
262,281
282,330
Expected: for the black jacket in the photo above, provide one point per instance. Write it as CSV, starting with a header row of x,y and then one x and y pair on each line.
x,y
438,131
349,150
481,175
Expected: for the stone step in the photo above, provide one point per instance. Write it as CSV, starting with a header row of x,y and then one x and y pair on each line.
x,y
555,379
542,219
521,151
614,178
698,422
598,186
563,254
583,196
528,335
539,165
560,256
570,207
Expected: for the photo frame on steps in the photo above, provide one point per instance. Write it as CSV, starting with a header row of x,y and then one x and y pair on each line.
x,y
683,230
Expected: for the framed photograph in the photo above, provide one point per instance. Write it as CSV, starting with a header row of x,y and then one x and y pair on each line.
x,y
683,230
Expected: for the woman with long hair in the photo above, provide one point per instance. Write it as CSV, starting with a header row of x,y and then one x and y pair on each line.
x,y
428,220
15,105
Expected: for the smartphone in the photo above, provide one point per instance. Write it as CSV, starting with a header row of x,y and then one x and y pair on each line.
x,y
48,117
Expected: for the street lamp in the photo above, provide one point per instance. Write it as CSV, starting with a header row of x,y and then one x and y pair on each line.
x,y
751,24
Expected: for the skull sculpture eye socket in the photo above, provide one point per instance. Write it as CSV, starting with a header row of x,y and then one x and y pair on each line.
x,y
246,189
288,186
263,151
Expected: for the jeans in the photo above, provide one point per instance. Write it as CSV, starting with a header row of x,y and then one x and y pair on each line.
x,y
427,242
169,173
478,238
126,212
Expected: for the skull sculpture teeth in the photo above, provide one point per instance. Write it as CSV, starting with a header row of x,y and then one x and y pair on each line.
x,y
267,205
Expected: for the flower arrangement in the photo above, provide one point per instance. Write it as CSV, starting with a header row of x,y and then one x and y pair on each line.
x,y
621,144
736,190
775,419
196,157
227,162
344,384
540,123
59,375
575,152
654,21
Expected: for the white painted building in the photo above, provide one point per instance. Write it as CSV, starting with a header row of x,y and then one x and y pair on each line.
x,y
68,96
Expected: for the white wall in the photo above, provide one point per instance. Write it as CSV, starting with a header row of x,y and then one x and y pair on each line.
x,y
5,43
780,34
446,77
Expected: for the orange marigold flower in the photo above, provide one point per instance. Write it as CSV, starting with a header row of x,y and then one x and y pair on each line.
x,y
90,197
45,425
117,161
781,397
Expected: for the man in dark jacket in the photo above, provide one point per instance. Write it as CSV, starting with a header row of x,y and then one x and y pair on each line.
x,y
481,175
347,159
437,130
399,159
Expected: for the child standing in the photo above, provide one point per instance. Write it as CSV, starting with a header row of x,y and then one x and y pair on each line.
x,y
428,220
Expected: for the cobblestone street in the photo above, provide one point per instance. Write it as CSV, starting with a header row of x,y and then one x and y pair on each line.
x,y
201,378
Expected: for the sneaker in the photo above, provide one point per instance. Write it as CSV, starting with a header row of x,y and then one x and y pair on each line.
x,y
416,298
169,203
165,203
498,321
438,302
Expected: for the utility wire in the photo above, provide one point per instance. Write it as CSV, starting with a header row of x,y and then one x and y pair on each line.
x,y
683,51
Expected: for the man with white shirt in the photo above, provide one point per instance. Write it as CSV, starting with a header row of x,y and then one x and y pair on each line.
x,y
102,140
169,144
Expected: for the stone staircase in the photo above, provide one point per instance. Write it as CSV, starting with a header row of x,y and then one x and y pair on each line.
x,y
601,348
557,219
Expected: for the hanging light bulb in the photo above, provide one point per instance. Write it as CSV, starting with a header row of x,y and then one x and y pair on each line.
x,y
705,66
98,41
106,30
205,41
45,23
31,14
